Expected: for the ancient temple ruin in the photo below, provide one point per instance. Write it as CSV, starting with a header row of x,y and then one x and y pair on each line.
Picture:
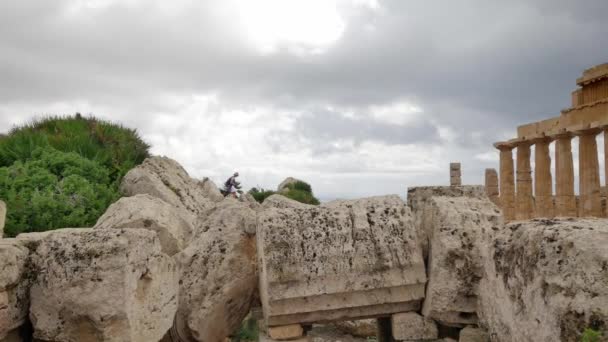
x,y
523,196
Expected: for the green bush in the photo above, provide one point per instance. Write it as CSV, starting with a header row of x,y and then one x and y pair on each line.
x,y
591,335
260,194
248,332
117,148
53,190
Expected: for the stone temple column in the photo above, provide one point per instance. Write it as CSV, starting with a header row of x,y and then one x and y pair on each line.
x,y
543,183
565,200
524,206
492,185
507,181
590,203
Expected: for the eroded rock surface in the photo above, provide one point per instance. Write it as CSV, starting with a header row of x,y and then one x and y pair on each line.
x,y
410,326
2,217
14,286
210,190
164,178
218,276
174,226
359,328
282,202
455,264
343,260
546,280
102,285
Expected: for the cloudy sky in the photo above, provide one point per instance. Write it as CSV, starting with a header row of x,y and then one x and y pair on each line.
x,y
359,97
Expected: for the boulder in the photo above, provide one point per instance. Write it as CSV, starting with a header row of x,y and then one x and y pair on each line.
x,y
455,264
164,178
545,280
32,240
14,286
289,180
282,202
410,326
360,328
341,261
250,201
102,285
210,190
470,334
2,217
218,276
174,226
418,199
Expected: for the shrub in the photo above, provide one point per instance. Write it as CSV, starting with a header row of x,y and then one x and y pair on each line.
x,y
591,335
117,148
53,190
260,194
301,192
247,332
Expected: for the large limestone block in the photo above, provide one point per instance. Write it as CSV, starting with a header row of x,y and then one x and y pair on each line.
x,y
286,332
210,190
14,286
102,285
470,334
455,266
545,280
282,202
419,200
410,326
343,260
360,328
2,217
164,178
218,277
173,225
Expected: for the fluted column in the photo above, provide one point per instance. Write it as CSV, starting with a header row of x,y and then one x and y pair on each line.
x,y
507,181
524,200
543,183
590,203
492,185
565,200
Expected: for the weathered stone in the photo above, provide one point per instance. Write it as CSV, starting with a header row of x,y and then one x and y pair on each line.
x,y
329,333
565,200
545,280
2,217
411,326
286,332
341,260
360,328
543,180
173,225
470,334
13,336
524,200
250,201
102,285
210,190
32,240
507,181
164,178
285,183
218,277
419,200
455,266
491,184
265,338
14,286
281,202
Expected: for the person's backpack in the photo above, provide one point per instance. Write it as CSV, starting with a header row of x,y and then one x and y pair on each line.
x,y
227,183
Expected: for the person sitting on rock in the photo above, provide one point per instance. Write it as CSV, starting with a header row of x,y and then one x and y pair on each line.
x,y
231,186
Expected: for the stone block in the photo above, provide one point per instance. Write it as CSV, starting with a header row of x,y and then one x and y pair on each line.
x,y
454,166
14,286
343,260
102,285
2,217
470,334
455,266
411,326
263,337
286,332
173,225
360,328
455,173
455,181
545,279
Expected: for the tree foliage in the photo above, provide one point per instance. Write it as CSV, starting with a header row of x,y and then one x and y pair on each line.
x,y
297,191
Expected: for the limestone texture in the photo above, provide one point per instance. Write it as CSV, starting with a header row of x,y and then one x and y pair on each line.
x,y
411,326
218,276
14,286
210,190
419,200
455,267
102,285
470,334
338,261
545,280
359,328
2,217
286,332
174,226
282,202
164,178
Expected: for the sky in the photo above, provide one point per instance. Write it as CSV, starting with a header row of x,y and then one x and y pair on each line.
x,y
357,97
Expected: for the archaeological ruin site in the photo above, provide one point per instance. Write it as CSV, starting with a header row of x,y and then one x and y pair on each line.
x,y
523,258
